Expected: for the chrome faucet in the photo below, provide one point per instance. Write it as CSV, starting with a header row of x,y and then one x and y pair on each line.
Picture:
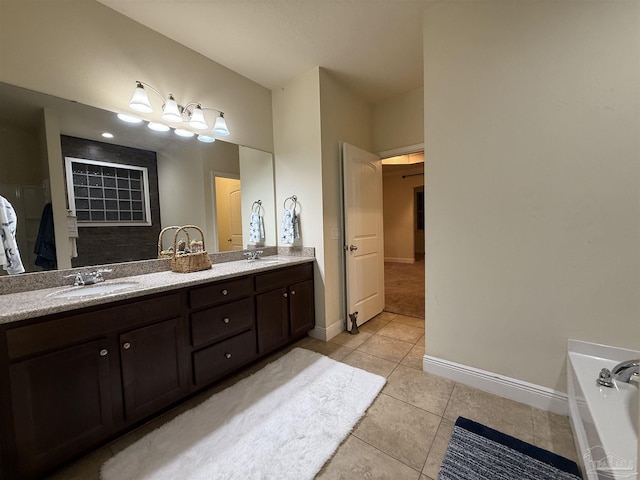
x,y
623,371
88,278
254,254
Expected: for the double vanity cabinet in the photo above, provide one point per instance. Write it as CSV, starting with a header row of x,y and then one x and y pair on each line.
x,y
74,380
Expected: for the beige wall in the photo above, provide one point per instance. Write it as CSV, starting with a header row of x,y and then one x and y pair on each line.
x,y
20,161
398,122
256,171
345,118
87,52
298,164
312,115
399,211
532,179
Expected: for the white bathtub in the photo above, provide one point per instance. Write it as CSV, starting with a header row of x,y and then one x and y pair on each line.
x,y
604,420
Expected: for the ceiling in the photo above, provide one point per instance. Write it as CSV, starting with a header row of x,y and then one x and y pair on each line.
x,y
373,47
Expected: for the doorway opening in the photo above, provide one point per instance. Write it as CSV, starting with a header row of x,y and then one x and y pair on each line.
x,y
228,212
403,219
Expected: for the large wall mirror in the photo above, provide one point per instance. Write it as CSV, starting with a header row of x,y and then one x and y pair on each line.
x,y
216,186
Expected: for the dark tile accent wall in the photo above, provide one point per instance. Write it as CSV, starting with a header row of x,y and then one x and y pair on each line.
x,y
101,245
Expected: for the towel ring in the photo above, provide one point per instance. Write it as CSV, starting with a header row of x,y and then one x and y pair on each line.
x,y
294,201
258,208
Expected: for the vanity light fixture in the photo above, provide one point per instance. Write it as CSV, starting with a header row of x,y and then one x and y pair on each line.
x,y
192,113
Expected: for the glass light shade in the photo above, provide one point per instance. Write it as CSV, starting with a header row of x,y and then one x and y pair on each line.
x,y
128,118
171,112
220,127
107,135
197,119
140,101
183,133
158,127
206,139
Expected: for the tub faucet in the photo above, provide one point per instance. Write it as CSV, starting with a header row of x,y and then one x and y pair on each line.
x,y
625,370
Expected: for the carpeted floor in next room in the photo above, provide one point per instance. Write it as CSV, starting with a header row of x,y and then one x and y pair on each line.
x,y
404,288
406,430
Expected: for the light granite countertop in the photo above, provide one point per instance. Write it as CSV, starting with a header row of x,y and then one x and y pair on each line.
x,y
37,303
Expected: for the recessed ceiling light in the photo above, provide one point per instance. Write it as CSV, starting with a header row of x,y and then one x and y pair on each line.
x,y
183,133
158,127
206,139
107,135
129,118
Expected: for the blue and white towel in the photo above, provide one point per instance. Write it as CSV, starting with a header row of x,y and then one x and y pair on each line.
x,y
256,228
9,253
290,230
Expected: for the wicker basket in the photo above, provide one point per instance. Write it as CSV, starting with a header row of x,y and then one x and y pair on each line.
x,y
168,253
189,262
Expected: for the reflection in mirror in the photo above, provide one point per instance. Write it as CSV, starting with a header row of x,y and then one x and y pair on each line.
x,y
37,131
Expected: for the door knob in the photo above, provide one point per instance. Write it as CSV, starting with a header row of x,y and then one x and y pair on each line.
x,y
104,352
226,320
227,355
352,248
126,346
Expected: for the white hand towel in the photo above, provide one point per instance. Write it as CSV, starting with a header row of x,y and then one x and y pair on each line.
x,y
289,227
256,228
9,253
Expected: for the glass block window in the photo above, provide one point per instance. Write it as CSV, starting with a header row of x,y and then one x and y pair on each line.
x,y
107,194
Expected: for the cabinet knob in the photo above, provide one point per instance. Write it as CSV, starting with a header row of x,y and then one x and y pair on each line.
x,y
225,292
227,355
226,320
293,292
285,295
126,346
104,352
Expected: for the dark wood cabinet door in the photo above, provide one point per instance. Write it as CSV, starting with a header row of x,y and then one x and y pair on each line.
x,y
272,315
153,367
61,404
301,308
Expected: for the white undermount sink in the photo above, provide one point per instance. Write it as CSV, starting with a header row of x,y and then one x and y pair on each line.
x,y
91,290
266,261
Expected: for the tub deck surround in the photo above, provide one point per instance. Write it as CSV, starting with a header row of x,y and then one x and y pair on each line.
x,y
604,420
41,301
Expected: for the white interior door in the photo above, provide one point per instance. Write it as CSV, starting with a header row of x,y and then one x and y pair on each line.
x,y
228,213
364,258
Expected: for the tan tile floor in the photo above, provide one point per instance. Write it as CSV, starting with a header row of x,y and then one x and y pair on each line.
x,y
406,430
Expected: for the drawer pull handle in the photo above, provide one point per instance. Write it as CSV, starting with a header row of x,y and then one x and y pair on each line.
x,y
227,355
293,292
226,320
285,295
126,346
225,292
104,352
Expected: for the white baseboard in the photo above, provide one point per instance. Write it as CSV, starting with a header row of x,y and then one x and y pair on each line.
x,y
399,260
528,393
326,334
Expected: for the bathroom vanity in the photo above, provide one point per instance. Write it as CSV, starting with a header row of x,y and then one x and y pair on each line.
x,y
83,371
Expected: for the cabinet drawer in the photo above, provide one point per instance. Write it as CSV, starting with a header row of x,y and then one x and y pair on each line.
x,y
219,292
222,321
283,277
59,332
213,362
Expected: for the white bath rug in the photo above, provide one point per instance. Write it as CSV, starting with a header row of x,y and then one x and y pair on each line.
x,y
283,422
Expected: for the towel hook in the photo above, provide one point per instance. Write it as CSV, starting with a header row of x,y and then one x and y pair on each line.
x,y
294,199
253,206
